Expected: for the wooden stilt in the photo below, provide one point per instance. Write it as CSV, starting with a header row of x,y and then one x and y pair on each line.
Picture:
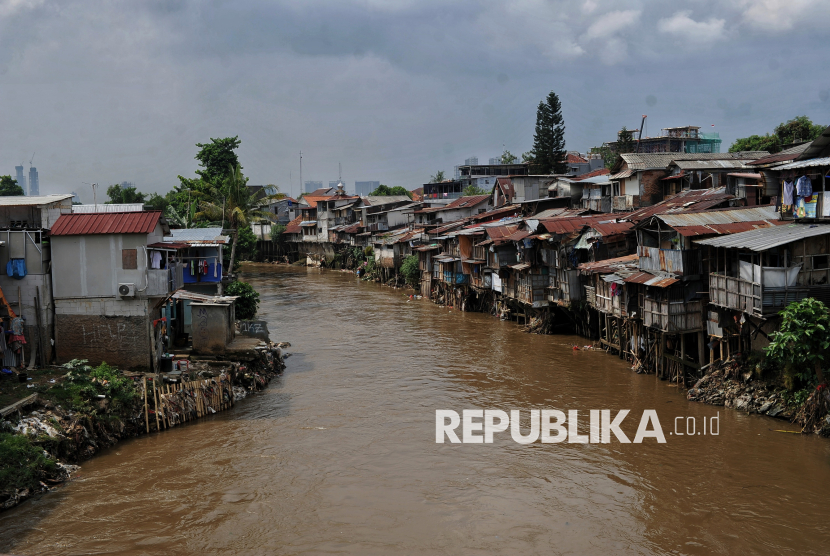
x,y
146,409
156,407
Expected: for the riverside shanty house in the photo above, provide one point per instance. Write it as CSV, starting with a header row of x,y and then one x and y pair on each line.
x,y
755,274
641,180
25,272
112,274
798,178
200,252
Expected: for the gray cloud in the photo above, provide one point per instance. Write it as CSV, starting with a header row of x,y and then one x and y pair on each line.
x,y
112,91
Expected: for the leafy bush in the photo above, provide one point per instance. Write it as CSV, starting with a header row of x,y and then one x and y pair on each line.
x,y
410,270
802,343
248,302
84,384
22,464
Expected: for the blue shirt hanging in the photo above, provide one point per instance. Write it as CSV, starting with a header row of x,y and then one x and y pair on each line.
x,y
16,268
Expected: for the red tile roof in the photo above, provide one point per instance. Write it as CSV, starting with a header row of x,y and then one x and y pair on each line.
x,y
575,159
598,172
106,223
418,194
294,227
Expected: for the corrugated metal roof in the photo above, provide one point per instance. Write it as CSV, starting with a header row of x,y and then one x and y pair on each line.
x,y
104,207
609,265
212,235
598,172
674,177
500,232
685,201
748,214
648,279
518,235
620,175
34,200
708,164
788,154
818,146
656,161
168,245
427,247
106,223
377,200
805,163
721,229
747,175
767,238
606,229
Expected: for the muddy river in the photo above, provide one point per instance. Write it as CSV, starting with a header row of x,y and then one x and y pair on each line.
x,y
339,455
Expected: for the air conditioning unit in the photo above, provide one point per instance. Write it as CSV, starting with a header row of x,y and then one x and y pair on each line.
x,y
126,290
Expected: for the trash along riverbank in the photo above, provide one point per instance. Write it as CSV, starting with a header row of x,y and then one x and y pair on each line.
x,y
81,410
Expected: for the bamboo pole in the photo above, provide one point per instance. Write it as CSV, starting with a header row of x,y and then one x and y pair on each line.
x,y
156,406
146,415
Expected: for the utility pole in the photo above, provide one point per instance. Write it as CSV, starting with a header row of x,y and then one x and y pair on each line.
x,y
301,172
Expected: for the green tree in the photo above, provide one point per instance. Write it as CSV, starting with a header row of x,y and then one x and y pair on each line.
x,y
625,141
473,190
410,270
507,157
437,177
769,143
124,195
549,139
231,204
800,128
385,190
609,156
218,158
248,299
802,340
278,237
9,187
157,202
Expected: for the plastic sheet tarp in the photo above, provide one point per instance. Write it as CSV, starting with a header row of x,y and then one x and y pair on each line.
x,y
774,276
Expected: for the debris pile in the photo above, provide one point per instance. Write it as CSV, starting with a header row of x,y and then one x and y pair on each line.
x,y
743,393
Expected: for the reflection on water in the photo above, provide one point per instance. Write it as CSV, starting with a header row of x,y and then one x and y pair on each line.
x,y
339,456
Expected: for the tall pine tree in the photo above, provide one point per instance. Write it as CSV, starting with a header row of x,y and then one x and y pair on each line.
x,y
549,156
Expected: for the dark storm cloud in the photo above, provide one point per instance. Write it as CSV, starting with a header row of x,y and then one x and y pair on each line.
x,y
395,90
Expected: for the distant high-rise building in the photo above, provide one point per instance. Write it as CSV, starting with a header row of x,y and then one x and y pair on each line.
x,y
21,178
34,183
312,186
472,161
494,161
363,188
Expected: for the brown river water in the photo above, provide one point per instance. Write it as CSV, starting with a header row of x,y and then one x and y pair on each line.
x,y
338,456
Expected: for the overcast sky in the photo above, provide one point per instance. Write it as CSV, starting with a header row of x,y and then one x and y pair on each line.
x,y
394,90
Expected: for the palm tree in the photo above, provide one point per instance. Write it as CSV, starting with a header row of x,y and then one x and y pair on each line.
x,y
238,207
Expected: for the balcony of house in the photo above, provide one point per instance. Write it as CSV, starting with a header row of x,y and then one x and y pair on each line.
x,y
530,286
608,297
623,203
668,309
759,298
479,278
159,282
674,261
565,287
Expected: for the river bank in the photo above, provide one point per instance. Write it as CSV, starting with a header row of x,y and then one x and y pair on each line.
x,y
737,383
80,411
